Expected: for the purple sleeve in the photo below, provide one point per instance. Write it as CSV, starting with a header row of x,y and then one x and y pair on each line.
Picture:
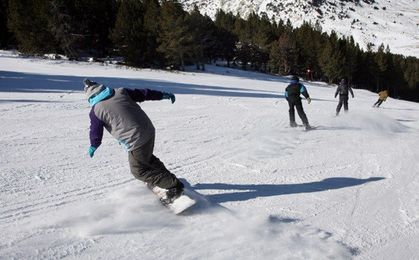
x,y
96,129
140,95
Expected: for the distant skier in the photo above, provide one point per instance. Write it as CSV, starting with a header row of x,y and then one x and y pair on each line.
x,y
116,110
343,90
382,96
292,94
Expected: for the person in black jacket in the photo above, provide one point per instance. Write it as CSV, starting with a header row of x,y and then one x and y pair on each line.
x,y
343,90
292,94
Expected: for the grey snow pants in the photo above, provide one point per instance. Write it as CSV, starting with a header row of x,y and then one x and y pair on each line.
x,y
148,168
343,100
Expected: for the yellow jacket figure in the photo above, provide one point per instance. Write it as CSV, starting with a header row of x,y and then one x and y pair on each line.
x,y
382,96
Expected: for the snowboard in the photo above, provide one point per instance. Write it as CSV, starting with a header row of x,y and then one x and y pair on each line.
x,y
295,127
300,126
177,206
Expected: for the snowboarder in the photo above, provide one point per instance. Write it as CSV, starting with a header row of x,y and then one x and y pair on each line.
x,y
292,94
116,110
382,96
343,90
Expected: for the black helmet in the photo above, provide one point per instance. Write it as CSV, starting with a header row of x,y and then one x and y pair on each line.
x,y
343,81
295,78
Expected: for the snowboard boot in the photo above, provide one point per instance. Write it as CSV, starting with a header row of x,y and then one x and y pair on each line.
x,y
171,195
166,196
160,192
308,127
293,124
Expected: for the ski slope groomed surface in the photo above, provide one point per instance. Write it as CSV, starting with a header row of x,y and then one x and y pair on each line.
x,y
348,189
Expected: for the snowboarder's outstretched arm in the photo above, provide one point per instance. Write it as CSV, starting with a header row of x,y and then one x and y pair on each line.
x,y
304,92
141,95
350,90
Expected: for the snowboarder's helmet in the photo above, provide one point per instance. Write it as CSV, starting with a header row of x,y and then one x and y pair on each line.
x,y
295,78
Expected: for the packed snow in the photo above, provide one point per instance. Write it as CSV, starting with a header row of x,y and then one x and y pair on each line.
x,y
347,189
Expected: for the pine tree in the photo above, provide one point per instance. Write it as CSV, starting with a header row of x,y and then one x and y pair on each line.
x,y
151,27
129,34
332,59
274,59
284,55
226,39
93,21
309,44
203,33
62,26
255,36
406,77
175,40
411,73
263,38
398,80
244,29
28,20
352,58
5,35
243,54
71,26
368,75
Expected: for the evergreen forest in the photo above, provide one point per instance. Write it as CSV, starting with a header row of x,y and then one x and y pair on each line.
x,y
161,34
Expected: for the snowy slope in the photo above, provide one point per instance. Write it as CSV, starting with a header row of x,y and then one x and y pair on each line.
x,y
392,22
346,190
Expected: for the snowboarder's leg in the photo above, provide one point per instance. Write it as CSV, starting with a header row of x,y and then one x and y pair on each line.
x,y
302,114
148,168
345,102
379,103
339,106
292,114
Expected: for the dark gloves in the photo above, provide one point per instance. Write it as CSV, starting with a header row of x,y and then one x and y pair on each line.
x,y
170,96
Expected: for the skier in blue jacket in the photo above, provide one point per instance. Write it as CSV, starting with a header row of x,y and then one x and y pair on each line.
x,y
293,94
117,111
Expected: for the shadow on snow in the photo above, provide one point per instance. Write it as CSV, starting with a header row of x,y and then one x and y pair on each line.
x,y
26,82
251,191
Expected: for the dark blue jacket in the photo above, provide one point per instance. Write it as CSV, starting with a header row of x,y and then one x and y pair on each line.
x,y
294,90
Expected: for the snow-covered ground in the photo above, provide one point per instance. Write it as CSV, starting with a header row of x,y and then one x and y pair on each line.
x,y
345,190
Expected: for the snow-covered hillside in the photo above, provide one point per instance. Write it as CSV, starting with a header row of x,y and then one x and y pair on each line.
x,y
346,190
392,22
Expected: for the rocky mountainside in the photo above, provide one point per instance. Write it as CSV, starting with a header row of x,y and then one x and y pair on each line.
x,y
392,22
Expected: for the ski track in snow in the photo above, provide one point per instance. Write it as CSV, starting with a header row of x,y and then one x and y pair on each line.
x,y
345,190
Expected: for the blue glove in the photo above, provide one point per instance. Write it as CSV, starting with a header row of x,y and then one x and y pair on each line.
x,y
169,96
92,151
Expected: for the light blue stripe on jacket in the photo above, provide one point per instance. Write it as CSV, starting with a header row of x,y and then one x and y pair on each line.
x,y
104,94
